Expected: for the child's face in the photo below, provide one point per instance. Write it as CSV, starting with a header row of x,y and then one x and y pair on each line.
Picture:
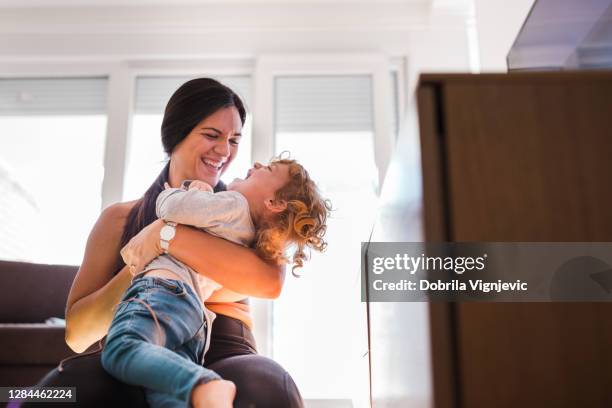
x,y
262,182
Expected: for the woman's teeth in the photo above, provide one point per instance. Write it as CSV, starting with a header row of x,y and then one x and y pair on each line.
x,y
215,164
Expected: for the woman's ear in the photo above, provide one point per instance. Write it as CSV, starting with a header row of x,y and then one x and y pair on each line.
x,y
275,205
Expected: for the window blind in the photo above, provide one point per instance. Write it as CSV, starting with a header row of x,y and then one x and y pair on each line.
x,y
153,93
53,96
324,103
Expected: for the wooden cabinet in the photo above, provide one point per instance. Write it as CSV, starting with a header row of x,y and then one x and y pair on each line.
x,y
519,157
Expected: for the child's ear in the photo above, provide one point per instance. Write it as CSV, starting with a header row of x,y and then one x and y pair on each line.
x,y
276,205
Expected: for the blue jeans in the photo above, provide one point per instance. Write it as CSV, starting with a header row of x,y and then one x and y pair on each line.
x,y
161,352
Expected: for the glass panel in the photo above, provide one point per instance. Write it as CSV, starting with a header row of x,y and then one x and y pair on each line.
x,y
51,171
319,323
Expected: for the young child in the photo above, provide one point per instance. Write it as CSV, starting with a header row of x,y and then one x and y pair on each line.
x,y
159,334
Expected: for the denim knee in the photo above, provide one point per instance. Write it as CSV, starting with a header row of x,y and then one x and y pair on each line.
x,y
116,353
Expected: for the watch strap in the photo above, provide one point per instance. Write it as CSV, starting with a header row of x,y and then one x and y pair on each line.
x,y
163,243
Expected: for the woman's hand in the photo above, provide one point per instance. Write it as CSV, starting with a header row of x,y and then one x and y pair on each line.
x,y
143,247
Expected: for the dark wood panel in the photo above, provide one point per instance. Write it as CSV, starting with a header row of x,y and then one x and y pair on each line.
x,y
529,160
434,198
535,355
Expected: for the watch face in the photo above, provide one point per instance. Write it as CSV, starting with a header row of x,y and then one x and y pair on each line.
x,y
167,233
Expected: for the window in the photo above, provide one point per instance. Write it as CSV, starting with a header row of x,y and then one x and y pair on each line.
x,y
319,325
52,135
145,157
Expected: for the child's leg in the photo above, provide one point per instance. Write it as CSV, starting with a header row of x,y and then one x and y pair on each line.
x,y
138,346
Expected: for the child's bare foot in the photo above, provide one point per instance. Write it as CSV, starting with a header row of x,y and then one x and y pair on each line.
x,y
214,394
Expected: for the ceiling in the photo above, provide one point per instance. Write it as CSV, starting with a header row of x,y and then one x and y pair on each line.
x,y
55,29
131,3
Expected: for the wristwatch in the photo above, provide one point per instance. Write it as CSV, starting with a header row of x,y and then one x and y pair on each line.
x,y
166,234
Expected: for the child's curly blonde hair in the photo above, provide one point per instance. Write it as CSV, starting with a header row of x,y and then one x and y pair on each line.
x,y
302,223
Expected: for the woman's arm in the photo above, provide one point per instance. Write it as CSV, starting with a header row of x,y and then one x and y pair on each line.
x,y
224,295
95,291
233,266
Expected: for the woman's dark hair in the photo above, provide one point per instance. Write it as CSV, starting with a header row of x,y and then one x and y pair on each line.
x,y
194,101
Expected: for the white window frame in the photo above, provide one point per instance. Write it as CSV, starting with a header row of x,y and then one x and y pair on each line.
x,y
121,76
74,69
120,106
270,66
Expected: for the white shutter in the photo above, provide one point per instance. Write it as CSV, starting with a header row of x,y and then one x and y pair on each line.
x,y
324,103
153,93
53,96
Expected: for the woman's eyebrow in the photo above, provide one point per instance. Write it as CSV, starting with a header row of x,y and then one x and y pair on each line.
x,y
213,129
218,131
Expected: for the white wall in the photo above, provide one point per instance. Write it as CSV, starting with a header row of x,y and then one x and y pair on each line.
x,y
244,30
498,23
427,35
431,34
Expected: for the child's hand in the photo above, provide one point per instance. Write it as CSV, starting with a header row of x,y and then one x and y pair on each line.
x,y
127,259
143,247
200,185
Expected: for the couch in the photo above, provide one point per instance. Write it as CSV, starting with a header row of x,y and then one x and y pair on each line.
x,y
29,295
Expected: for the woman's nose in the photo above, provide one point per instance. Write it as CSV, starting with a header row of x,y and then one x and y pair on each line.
x,y
257,165
222,148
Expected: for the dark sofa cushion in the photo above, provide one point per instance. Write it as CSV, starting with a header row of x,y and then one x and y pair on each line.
x,y
31,293
32,344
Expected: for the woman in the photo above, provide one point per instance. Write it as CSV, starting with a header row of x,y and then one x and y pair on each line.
x,y
200,133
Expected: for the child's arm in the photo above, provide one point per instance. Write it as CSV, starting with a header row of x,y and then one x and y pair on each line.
x,y
198,206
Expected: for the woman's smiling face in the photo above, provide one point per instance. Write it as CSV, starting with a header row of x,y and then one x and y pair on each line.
x,y
208,150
